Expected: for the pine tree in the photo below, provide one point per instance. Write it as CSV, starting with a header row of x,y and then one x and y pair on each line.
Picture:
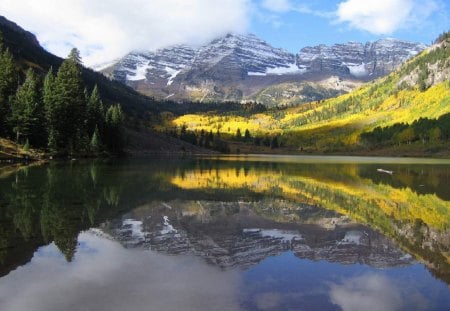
x,y
247,136
49,99
95,114
74,56
238,134
8,86
28,112
70,106
114,135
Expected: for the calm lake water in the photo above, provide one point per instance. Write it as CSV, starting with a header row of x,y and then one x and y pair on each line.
x,y
227,233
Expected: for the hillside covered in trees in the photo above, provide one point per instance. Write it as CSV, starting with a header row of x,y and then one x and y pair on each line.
x,y
58,112
35,114
64,108
405,112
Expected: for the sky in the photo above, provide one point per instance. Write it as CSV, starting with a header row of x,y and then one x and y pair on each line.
x,y
104,30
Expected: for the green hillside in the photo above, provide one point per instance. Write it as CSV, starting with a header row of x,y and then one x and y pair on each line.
x,y
27,122
418,89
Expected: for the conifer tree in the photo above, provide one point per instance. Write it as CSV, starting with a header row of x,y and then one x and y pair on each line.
x,y
8,86
70,106
247,135
28,112
49,100
114,129
238,134
95,114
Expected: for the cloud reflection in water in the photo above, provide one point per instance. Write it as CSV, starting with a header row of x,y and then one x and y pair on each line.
x,y
374,292
106,276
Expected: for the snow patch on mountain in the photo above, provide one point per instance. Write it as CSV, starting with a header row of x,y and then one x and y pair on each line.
x,y
173,73
291,69
357,70
225,63
256,73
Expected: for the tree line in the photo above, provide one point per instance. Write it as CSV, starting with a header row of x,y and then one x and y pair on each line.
x,y
57,113
424,130
220,141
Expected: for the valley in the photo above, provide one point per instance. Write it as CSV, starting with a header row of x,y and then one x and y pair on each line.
x,y
261,99
254,155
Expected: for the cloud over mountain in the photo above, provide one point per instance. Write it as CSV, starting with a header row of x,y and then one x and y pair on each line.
x,y
114,27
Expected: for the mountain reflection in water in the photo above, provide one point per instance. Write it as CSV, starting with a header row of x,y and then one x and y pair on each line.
x,y
259,234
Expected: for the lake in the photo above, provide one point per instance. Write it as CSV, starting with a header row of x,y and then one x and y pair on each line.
x,y
226,233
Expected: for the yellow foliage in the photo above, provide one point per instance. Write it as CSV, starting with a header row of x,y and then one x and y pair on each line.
x,y
400,204
344,117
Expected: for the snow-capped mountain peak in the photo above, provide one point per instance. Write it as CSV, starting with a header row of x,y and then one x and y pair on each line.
x,y
235,66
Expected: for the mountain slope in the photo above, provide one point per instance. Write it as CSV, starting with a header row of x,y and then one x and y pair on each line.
x,y
237,67
141,111
28,53
364,61
418,89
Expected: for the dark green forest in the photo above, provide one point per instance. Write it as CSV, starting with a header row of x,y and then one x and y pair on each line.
x,y
57,112
423,130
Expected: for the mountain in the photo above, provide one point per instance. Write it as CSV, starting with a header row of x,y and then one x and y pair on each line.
x,y
28,52
406,112
239,67
364,61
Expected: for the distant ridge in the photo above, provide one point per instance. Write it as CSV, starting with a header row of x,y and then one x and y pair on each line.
x,y
237,67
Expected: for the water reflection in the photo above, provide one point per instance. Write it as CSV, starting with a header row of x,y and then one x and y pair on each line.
x,y
373,292
278,235
231,235
105,276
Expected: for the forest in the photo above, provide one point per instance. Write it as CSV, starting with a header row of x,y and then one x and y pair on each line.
x,y
423,130
407,106
57,113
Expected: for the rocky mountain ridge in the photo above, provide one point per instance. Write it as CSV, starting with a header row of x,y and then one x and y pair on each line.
x,y
236,67
365,61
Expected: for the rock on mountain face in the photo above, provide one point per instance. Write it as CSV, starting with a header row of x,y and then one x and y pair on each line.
x,y
236,67
225,60
364,61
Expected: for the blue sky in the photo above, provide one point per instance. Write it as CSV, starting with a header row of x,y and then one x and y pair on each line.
x,y
104,30
303,23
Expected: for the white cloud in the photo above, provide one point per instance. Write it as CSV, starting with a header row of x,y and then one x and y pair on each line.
x,y
383,17
106,276
107,29
279,6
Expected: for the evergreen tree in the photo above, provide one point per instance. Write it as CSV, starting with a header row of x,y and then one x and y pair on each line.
x,y
95,112
8,86
49,100
247,136
28,112
114,135
238,134
74,56
70,106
